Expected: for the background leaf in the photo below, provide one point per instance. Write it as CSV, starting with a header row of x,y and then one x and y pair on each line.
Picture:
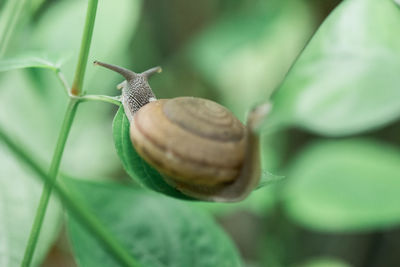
x,y
346,81
19,198
29,60
160,231
348,185
245,68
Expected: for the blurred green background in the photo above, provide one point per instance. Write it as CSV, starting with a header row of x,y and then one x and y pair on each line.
x,y
334,133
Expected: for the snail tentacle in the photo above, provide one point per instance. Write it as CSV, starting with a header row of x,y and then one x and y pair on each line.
x,y
128,74
151,71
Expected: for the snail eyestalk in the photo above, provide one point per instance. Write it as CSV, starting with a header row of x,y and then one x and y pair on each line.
x,y
128,74
151,71
257,116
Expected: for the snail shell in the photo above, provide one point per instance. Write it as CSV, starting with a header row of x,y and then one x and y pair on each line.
x,y
198,146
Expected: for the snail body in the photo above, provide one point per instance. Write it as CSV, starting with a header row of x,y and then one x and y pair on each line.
x,y
198,146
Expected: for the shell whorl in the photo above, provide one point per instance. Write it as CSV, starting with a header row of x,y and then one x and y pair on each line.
x,y
194,140
204,118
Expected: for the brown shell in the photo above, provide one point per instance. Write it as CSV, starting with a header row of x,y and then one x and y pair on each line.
x,y
192,140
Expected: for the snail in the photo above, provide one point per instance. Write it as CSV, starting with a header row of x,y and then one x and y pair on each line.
x,y
197,145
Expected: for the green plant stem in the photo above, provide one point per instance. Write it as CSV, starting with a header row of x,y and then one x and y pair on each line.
x,y
65,129
115,100
103,98
77,209
48,186
63,81
76,89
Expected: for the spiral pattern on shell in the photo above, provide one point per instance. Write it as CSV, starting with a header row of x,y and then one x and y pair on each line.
x,y
194,141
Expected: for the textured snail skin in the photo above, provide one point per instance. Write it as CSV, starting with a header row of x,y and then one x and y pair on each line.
x,y
198,146
136,91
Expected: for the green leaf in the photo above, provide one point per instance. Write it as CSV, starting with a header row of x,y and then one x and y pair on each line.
x,y
19,198
30,115
159,231
345,186
268,178
347,79
133,164
242,56
29,60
